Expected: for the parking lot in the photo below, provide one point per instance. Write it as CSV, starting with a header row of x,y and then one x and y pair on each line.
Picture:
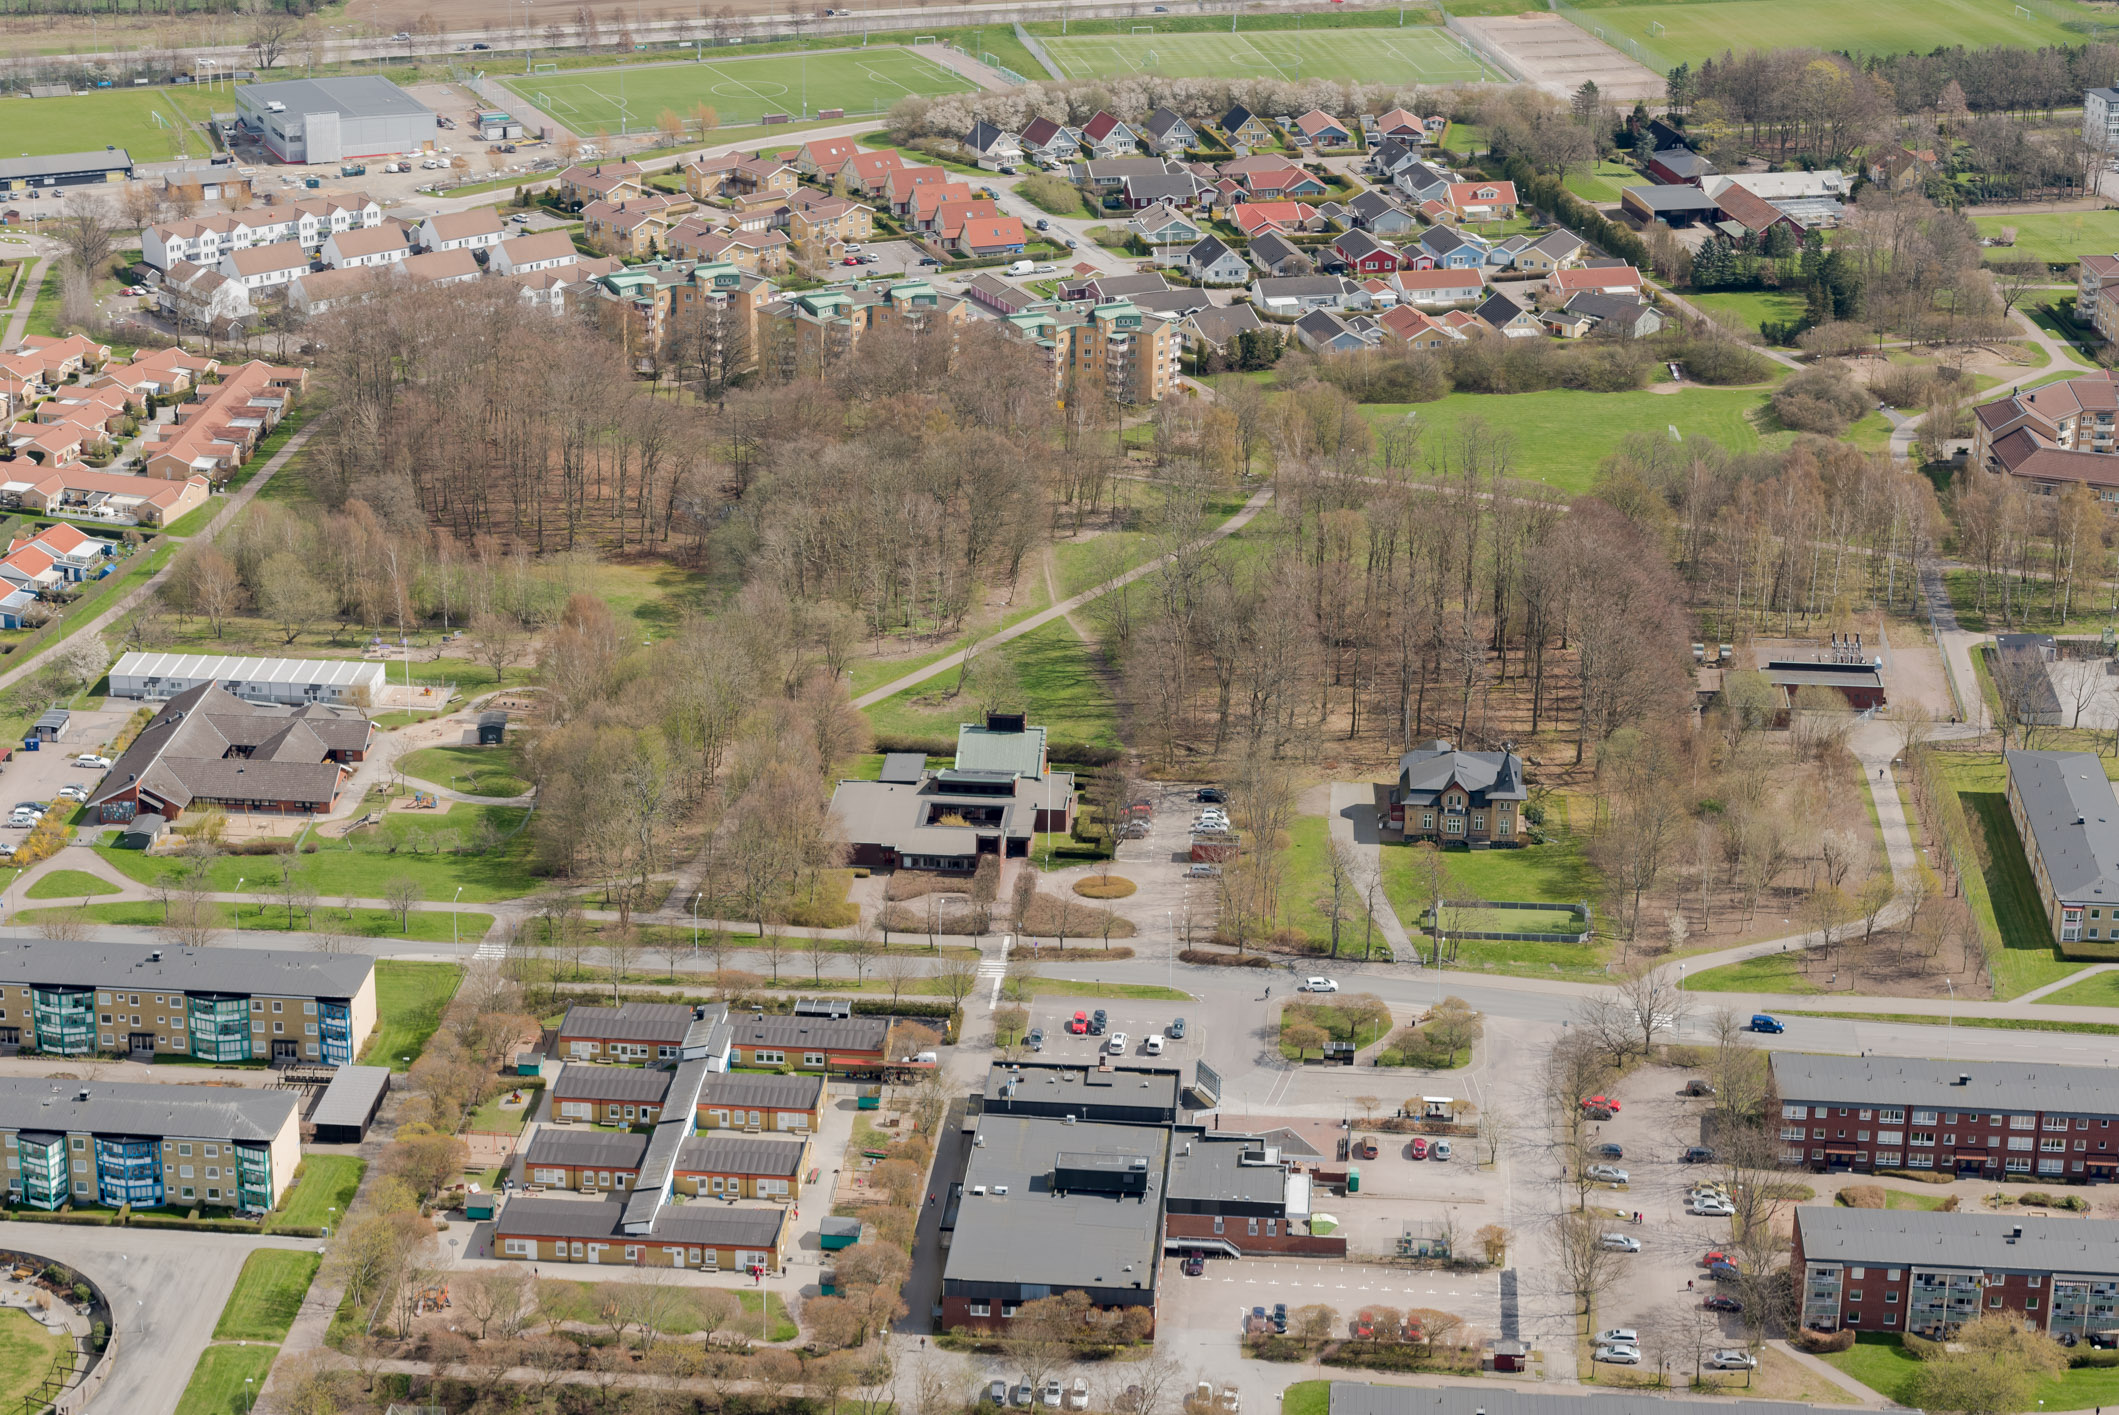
x,y
1221,1296
1138,1020
38,775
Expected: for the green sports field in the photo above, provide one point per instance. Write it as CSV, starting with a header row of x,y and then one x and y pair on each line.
x,y
739,91
1690,33
1422,54
126,118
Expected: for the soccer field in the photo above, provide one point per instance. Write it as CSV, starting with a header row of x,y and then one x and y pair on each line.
x,y
1422,54
126,118
1690,33
740,91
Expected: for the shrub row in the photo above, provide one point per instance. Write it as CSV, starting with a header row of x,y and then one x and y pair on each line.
x,y
1214,959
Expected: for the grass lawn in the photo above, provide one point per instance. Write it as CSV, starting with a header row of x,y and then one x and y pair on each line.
x,y
565,1300
1420,54
655,594
268,1294
2098,990
1907,1199
2004,1024
1074,987
1072,207
327,1183
409,998
1307,891
1690,33
1750,307
70,884
1059,682
2003,897
226,1380
367,923
26,1352
2055,237
738,90
495,1117
1307,1398
358,865
475,771
118,117
1518,921
1883,1364
1553,872
1561,435
2030,600
1603,182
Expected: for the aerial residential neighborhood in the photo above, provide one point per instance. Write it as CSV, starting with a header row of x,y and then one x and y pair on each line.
x,y
1348,711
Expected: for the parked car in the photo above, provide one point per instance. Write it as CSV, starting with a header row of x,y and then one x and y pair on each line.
x,y
1732,1360
1601,1103
1280,1318
1204,872
1619,1336
1725,1272
73,793
1117,1044
1043,224
1608,1152
1055,1393
1620,1355
21,820
851,260
1152,1044
1713,1208
1078,1395
1036,1039
1078,1024
91,759
1719,1303
1212,793
1697,1154
1439,1150
1319,985
1024,1392
1698,1087
997,1392
1417,1147
481,45
1195,1265
1100,1015
1176,1030
1606,1174
1619,1242
1763,1022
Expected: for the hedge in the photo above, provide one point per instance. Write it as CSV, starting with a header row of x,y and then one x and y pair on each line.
x,y
1822,1342
1214,959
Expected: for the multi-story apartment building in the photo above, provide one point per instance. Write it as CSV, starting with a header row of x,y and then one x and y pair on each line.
x,y
216,1004
816,328
2092,274
2054,436
1893,1270
2068,820
650,300
2100,118
1976,1119
104,1143
1130,355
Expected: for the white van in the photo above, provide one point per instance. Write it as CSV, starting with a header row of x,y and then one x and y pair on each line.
x,y
1022,267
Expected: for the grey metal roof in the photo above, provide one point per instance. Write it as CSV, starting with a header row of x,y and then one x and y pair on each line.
x,y
664,1022
764,1092
741,1154
584,1149
1031,1234
2074,817
706,1225
364,96
283,972
579,1081
119,1108
1299,287
1677,196
1905,1238
1352,1398
65,164
1995,1086
350,1098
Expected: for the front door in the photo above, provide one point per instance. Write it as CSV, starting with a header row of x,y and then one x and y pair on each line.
x,y
10,1036
143,1043
286,1051
596,1252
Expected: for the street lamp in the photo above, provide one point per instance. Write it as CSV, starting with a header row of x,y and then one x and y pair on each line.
x,y
695,924
452,914
1949,1030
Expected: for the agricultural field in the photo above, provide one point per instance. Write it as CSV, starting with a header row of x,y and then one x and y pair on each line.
x,y
739,91
153,124
1421,54
2055,237
1689,33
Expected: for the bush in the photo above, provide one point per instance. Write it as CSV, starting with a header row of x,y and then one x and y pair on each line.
x,y
1920,1176
1104,887
1214,958
1820,1343
264,845
1862,1196
1823,400
2089,1356
1921,1347
1051,193
1712,357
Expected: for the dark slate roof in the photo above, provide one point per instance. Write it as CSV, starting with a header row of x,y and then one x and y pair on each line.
x,y
1673,197
1905,1238
660,1022
1161,121
705,1225
732,1089
1441,240
1272,248
983,136
1218,324
2075,819
1371,204
555,1146
1497,309
1428,769
579,1081
182,753
118,1108
1600,306
1180,187
1235,118
1208,250
1684,162
284,972
1995,1087
904,766
741,1154
811,1033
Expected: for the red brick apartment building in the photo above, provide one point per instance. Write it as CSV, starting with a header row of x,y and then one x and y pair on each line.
x,y
1893,1270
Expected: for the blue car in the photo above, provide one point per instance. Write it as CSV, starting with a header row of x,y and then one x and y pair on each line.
x,y
1763,1023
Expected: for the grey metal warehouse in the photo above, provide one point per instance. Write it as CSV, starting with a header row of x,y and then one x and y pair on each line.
x,y
334,120
65,169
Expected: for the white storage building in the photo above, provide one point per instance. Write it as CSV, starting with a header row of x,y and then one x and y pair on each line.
x,y
258,680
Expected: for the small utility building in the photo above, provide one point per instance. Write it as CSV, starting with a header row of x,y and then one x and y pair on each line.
x,y
349,1104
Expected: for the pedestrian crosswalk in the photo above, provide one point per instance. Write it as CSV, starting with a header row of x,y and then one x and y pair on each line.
x,y
492,949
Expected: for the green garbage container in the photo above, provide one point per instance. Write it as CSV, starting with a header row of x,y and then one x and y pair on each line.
x,y
1353,1181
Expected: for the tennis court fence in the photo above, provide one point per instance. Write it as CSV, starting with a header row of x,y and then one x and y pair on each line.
x,y
1039,52
1477,44
1645,54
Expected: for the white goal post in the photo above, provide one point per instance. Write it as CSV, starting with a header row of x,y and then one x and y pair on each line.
x,y
1144,29
923,39
1655,27
2023,12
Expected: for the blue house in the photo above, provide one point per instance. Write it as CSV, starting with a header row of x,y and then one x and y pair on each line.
x,y
12,608
1453,249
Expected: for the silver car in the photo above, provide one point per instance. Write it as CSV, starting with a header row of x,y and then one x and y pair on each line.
x,y
1606,1173
1732,1361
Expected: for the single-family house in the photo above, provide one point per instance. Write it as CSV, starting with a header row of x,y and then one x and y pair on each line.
x,y
1243,128
1364,254
1627,316
1565,322
1443,285
1105,136
1552,251
1418,328
1616,279
900,184
585,182
824,158
1423,182
1275,254
542,251
1254,218
1453,249
1373,211
1283,183
1391,156
1048,143
1111,173
1318,128
368,246
201,298
1214,326
462,230
951,218
1483,201
1753,212
1168,133
1149,188
1164,225
1323,332
1212,263
751,176
863,173
1298,294
993,147
989,236
927,200
1899,168
1509,314
1400,124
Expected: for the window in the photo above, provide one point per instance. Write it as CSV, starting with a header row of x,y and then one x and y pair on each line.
x,y
979,1309
2036,1282
1891,1297
183,1148
275,1005
519,1248
812,1058
1793,1112
2023,1122
1923,1117
1854,1294
1454,825
1253,1227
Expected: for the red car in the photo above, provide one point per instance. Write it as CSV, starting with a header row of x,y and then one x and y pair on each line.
x,y
1365,1325
1601,1103
1078,1024
851,260
1714,1255
1418,1147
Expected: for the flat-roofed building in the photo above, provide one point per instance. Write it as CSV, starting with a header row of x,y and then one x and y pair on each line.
x,y
335,120
101,1142
216,1004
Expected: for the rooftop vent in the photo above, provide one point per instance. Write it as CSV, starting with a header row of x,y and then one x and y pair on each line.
x,y
1964,1078
1000,1188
